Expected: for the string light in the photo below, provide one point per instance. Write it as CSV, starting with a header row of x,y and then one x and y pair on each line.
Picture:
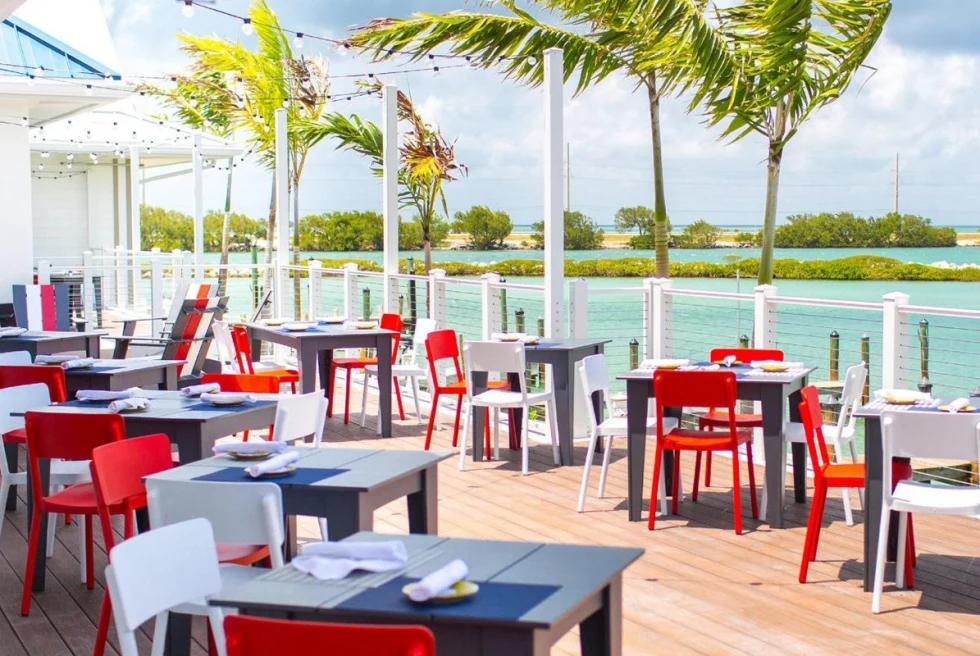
x,y
88,89
188,9
435,71
45,154
247,28
285,103
70,156
40,166
39,71
342,48
24,122
68,165
298,41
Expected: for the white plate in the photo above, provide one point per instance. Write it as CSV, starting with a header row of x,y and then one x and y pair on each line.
x,y
297,327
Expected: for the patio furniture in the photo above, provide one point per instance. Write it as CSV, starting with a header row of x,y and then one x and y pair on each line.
x,y
530,596
715,389
225,345
186,291
44,307
911,434
15,375
391,322
408,368
16,357
595,380
827,474
256,636
243,358
118,375
314,350
70,437
168,569
482,358
245,384
51,342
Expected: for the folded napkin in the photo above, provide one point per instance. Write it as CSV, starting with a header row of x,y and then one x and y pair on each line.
x,y
227,397
12,331
758,364
330,561
80,362
273,464
912,395
132,403
958,404
198,390
729,360
250,447
439,581
55,359
654,363
105,395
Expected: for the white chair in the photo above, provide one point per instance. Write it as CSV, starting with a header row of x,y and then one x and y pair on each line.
x,y
408,368
595,380
16,357
504,358
838,434
169,569
939,435
225,345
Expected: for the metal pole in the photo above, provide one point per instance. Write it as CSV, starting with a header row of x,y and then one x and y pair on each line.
x,y
282,204
198,164
634,354
366,303
389,178
743,341
413,305
866,357
554,218
255,277
924,384
834,355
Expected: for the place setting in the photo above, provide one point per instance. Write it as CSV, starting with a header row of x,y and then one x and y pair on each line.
x,y
127,401
263,461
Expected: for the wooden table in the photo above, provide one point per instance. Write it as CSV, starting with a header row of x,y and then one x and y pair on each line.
x,y
774,390
51,342
117,375
562,355
314,348
531,595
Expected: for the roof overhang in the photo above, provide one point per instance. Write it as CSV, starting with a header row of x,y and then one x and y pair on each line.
x,y
7,7
45,101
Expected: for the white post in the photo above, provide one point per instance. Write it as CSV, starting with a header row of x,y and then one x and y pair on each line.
x,y
657,328
315,280
198,166
765,318
894,345
437,297
156,294
120,272
88,290
578,309
350,290
389,185
489,304
282,207
43,272
135,197
177,268
554,218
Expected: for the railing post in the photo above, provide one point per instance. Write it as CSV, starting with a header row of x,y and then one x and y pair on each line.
x,y
314,271
389,300
88,290
657,318
578,309
765,317
894,345
834,355
120,259
437,296
43,272
156,294
350,290
489,304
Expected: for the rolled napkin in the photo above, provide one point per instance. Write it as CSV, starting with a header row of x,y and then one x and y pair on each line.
x,y
439,581
903,396
710,367
758,364
75,364
55,359
729,360
106,395
132,403
653,363
273,464
12,331
958,404
198,390
250,447
331,561
227,397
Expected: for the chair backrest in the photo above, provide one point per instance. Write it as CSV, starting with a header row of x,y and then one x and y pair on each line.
x,y
255,636
118,470
698,389
812,417
19,399
850,398
16,357
423,327
249,383
494,357
746,354
53,377
225,345
441,345
300,415
191,334
246,513
42,307
595,379
190,290
395,323
243,349
157,570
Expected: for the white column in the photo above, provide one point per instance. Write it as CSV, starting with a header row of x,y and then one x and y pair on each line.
x,y
578,309
657,328
156,293
765,318
135,197
350,290
489,304
198,164
554,218
282,208
437,297
17,220
88,290
389,185
314,279
894,345
43,272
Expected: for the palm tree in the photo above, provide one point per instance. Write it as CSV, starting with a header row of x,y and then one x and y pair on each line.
x,y
427,160
622,36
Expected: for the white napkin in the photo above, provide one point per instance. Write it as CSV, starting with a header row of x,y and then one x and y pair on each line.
x,y
653,363
198,390
915,397
80,362
250,447
729,360
106,395
276,463
12,331
710,367
958,404
132,403
227,397
330,561
758,364
438,581
55,359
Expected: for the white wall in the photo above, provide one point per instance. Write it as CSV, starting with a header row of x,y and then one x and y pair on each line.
x,y
60,208
17,244
101,232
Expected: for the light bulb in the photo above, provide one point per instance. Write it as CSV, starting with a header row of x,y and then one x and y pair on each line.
x,y
88,89
108,77
39,71
68,165
298,41
40,167
24,121
472,62
115,125
188,9
30,80
45,154
247,28
532,60
70,156
285,103
435,71
149,150
95,161
342,48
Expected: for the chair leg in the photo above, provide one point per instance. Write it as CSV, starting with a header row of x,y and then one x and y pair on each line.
x,y
736,490
398,397
675,502
348,374
911,540
552,411
752,496
4,493
82,551
657,464
432,421
364,391
909,556
697,475
880,559
902,551
854,459
486,434
593,438
605,468
809,545
525,444
462,446
331,382
818,526
415,395
459,410
89,553
217,620
707,469
102,633
25,602
49,549
496,433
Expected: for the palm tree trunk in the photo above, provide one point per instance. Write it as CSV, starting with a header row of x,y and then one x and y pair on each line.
x,y
427,249
222,271
775,161
660,232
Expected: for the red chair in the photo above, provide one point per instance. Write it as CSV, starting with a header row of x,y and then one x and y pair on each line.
x,y
243,355
28,374
245,383
69,436
714,417
827,474
391,322
716,389
255,636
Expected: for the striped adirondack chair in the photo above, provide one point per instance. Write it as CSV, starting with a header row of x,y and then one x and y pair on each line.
x,y
42,307
187,291
192,333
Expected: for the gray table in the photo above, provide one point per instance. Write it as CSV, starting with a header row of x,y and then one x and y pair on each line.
x,y
117,375
53,342
774,391
562,355
555,588
314,348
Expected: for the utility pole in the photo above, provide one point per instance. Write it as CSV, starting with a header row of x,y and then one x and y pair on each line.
x,y
895,208
568,177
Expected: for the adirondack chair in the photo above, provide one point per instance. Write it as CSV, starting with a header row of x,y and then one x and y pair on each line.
x,y
186,291
192,333
43,307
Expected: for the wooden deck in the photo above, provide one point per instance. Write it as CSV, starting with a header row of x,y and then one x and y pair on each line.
x,y
699,589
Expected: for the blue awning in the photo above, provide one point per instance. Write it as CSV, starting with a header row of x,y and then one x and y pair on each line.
x,y
24,48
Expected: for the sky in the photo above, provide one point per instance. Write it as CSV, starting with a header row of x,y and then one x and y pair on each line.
x,y
923,103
